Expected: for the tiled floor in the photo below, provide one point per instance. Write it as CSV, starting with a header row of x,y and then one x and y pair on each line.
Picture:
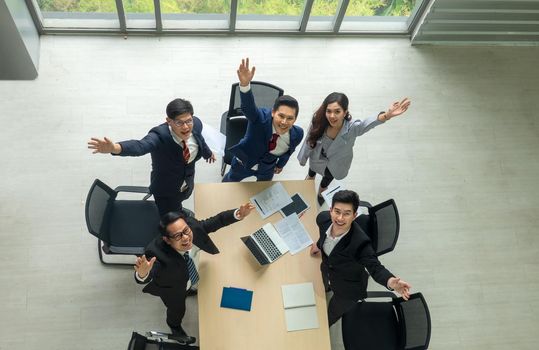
x,y
462,165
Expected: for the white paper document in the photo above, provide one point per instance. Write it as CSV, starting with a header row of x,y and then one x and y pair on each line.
x,y
293,233
271,200
214,139
299,306
333,188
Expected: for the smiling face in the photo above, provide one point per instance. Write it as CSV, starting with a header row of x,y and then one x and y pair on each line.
x,y
179,236
283,118
335,114
182,125
342,216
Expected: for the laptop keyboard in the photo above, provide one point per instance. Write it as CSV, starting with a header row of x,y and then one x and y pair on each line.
x,y
259,256
266,243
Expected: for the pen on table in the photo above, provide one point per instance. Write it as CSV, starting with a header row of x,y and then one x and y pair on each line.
x,y
259,207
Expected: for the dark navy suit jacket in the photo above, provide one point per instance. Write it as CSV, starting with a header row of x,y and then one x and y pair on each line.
x,y
254,145
169,170
344,268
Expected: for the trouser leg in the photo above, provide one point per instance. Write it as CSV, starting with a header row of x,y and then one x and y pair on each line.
x,y
338,307
168,204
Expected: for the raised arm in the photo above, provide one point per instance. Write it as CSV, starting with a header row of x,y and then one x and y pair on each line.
x,y
396,109
143,268
104,145
226,218
248,104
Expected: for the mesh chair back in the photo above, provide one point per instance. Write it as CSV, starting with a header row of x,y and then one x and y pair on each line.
x,y
265,95
414,320
98,206
235,130
384,226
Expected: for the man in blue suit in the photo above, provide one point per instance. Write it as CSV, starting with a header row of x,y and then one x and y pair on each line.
x,y
175,146
271,135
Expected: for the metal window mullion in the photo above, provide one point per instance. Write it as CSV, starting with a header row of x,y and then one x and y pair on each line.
x,y
233,16
35,13
158,18
306,15
121,15
341,11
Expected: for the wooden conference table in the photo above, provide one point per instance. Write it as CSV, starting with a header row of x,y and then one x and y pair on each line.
x,y
264,326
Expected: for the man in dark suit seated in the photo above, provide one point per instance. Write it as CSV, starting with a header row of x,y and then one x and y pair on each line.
x,y
169,265
346,252
271,135
175,146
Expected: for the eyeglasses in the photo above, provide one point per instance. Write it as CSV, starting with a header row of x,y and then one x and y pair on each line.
x,y
177,236
179,123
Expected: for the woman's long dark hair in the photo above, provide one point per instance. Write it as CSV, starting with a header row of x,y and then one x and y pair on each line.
x,y
320,122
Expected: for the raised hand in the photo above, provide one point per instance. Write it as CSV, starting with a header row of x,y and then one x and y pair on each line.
x,y
143,266
397,108
244,74
211,159
104,146
245,209
400,286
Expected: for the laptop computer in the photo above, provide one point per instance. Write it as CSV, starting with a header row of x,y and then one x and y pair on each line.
x,y
265,244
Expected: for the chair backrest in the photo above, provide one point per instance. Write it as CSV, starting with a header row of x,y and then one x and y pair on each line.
x,y
97,209
235,130
384,226
265,95
414,321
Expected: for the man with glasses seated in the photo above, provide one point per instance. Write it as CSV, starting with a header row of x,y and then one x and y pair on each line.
x,y
346,253
169,265
175,146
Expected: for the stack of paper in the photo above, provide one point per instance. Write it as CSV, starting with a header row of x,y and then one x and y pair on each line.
x,y
299,306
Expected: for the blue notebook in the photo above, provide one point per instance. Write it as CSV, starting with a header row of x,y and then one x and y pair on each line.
x,y
237,298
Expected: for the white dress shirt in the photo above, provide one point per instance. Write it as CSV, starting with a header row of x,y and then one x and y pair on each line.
x,y
330,242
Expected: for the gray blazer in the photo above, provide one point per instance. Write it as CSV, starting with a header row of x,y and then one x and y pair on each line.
x,y
340,152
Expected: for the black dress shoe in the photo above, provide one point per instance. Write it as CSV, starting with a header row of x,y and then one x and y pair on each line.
x,y
320,200
190,292
179,335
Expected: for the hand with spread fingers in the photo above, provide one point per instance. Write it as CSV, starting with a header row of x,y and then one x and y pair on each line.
x,y
400,286
143,266
211,159
104,146
244,210
245,75
397,108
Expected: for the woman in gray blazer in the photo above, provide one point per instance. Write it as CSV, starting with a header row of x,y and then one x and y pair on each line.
x,y
329,145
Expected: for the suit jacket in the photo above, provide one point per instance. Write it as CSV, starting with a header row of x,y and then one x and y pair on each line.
x,y
254,145
169,170
345,267
169,275
338,158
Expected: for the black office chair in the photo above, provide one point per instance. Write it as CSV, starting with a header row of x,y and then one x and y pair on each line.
x,y
121,226
156,341
382,225
391,325
234,124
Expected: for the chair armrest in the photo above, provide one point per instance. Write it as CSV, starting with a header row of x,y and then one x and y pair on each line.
x,y
133,189
381,294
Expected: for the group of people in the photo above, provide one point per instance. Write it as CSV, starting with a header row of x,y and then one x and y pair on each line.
x,y
169,265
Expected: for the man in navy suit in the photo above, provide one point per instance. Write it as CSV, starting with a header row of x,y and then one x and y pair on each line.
x,y
175,146
346,253
271,135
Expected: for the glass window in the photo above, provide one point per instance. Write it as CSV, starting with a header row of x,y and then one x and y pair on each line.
x,y
195,14
139,14
79,13
377,15
322,15
270,14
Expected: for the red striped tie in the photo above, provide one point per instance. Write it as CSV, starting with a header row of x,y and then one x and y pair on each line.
x,y
186,153
273,142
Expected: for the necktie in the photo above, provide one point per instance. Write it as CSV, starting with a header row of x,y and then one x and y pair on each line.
x,y
273,142
186,153
193,274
